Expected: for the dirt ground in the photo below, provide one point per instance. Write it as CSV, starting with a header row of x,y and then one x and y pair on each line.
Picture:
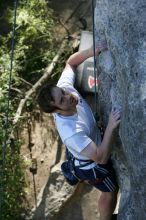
x,y
38,150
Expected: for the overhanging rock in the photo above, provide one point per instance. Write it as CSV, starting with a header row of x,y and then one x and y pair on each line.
x,y
123,84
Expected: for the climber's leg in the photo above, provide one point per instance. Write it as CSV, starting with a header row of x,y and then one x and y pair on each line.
x,y
107,204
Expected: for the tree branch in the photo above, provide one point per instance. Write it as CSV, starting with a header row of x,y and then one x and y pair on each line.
x,y
16,90
26,82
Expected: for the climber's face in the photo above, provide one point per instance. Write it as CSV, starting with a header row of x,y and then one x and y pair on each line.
x,y
64,101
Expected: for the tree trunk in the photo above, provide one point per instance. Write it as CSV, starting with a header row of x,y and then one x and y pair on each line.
x,y
123,84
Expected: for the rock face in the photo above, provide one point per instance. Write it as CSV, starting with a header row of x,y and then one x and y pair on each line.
x,y
55,194
123,84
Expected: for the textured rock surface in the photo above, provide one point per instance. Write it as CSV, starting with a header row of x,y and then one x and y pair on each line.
x,y
55,194
123,84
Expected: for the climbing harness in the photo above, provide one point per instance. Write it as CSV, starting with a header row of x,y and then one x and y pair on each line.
x,y
68,169
6,134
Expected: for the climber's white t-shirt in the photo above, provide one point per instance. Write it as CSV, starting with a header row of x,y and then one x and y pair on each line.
x,y
78,130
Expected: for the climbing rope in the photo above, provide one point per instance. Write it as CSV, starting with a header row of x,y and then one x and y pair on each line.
x,y
95,74
6,125
10,82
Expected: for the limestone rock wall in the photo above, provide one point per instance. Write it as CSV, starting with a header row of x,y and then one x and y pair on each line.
x,y
123,84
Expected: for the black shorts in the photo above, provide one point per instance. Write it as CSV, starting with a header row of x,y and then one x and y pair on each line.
x,y
102,177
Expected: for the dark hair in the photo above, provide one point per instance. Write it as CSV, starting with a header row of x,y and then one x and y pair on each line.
x,y
45,97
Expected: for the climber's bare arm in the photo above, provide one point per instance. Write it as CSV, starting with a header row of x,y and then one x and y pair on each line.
x,y
80,56
102,153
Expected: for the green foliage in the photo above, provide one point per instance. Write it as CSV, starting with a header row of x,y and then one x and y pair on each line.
x,y
13,183
33,41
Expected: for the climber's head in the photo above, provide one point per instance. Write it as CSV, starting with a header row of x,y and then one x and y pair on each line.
x,y
53,99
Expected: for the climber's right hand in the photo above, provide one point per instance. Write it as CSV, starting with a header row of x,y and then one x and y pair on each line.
x,y
114,119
